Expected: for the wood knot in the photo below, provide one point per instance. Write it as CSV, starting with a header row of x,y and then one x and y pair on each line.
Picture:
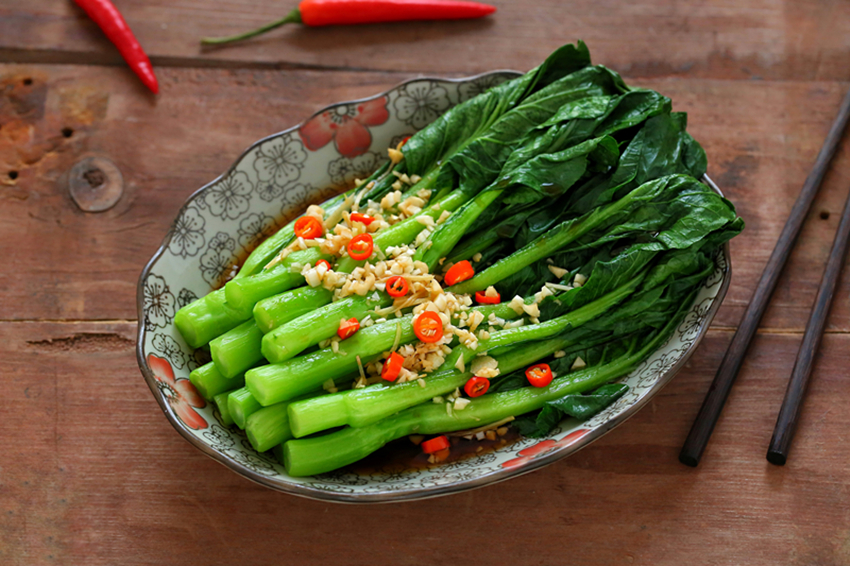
x,y
95,184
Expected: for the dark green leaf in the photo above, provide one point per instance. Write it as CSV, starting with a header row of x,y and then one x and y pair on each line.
x,y
577,406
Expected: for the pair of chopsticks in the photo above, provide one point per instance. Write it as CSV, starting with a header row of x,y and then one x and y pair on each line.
x,y
786,423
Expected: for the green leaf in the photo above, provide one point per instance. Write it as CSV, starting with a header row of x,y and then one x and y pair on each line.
x,y
454,128
577,406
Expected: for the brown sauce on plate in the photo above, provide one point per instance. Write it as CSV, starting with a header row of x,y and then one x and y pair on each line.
x,y
402,455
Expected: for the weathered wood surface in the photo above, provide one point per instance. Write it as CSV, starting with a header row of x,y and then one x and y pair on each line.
x,y
779,39
92,473
761,137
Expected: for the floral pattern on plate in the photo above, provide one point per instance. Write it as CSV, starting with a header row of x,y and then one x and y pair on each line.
x,y
347,125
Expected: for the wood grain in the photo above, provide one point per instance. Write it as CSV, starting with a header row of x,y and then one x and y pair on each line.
x,y
789,412
100,477
723,381
760,161
92,473
76,258
759,39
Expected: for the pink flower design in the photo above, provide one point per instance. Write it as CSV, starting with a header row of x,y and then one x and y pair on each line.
x,y
180,393
346,126
544,447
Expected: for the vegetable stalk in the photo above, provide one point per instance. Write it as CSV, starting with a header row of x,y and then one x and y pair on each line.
x,y
210,382
309,456
360,407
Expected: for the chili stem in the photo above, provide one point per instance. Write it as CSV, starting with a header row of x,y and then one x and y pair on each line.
x,y
293,17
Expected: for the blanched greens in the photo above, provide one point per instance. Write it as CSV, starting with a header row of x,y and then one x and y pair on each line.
x,y
578,201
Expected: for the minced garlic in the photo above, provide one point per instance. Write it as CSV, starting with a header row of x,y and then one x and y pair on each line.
x,y
558,272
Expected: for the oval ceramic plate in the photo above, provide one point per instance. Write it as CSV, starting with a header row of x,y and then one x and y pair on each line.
x,y
272,182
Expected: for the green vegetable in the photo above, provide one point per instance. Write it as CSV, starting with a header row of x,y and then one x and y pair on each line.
x,y
285,380
316,455
360,407
208,317
242,404
564,180
575,405
221,404
238,350
210,382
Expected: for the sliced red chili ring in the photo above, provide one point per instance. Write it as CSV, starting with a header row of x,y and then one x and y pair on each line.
x,y
357,217
539,375
477,386
428,327
347,328
360,247
435,444
482,298
461,271
392,367
308,227
397,286
324,262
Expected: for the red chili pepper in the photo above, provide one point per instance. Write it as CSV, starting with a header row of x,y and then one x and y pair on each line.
x,y
477,386
360,247
347,12
392,367
397,286
111,22
324,262
428,327
539,375
347,328
483,299
308,227
357,217
435,444
461,271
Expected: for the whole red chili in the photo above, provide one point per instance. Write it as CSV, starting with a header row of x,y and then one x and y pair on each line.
x,y
109,19
347,12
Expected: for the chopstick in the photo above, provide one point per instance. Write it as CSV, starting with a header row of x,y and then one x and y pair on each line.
x,y
786,422
721,386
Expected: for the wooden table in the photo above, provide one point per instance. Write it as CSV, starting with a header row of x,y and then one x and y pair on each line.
x,y
91,472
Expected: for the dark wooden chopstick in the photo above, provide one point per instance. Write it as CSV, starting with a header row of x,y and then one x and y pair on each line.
x,y
786,423
718,392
